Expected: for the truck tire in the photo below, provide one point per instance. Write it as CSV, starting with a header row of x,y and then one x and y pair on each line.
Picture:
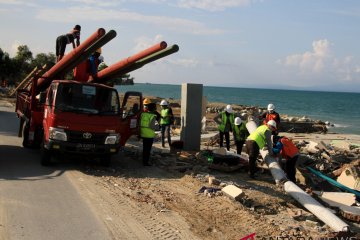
x,y
25,135
45,156
105,161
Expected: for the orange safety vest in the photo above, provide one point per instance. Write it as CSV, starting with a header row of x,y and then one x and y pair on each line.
x,y
289,150
272,116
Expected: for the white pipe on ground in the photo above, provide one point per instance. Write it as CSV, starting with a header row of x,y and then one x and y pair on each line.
x,y
323,213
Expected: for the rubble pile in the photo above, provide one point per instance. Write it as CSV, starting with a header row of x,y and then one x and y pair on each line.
x,y
328,158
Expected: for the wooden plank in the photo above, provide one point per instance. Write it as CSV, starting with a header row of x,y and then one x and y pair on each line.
x,y
30,75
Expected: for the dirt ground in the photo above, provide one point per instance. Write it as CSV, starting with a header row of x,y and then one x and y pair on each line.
x,y
167,204
160,202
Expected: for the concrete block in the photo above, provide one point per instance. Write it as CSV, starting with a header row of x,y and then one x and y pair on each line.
x,y
341,144
312,147
350,212
221,151
349,178
337,199
233,192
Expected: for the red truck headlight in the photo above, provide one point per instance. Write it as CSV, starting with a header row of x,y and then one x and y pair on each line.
x,y
57,134
112,139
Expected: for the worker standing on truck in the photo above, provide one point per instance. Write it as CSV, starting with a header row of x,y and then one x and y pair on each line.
x,y
240,134
225,125
166,120
147,129
289,152
63,40
88,68
94,61
257,140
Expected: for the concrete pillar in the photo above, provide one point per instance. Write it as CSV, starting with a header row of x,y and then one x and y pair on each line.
x,y
191,111
203,106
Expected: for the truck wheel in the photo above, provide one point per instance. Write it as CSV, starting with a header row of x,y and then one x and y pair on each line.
x,y
25,135
106,160
45,156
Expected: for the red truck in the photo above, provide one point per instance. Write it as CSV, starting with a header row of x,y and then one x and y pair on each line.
x,y
82,117
74,117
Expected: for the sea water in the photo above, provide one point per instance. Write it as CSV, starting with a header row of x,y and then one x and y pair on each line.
x,y
339,108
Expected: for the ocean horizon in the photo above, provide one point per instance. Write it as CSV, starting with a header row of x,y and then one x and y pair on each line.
x,y
339,108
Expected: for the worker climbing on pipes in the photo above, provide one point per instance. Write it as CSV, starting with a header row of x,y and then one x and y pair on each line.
x,y
63,40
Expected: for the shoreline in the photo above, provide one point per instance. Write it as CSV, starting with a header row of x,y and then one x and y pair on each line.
x,y
175,104
301,124
315,105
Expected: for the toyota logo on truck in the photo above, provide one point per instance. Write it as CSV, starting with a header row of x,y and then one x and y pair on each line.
x,y
87,135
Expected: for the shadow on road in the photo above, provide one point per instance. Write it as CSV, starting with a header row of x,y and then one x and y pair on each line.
x,y
18,163
12,126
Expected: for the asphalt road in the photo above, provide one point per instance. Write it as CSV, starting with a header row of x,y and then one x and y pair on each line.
x,y
39,202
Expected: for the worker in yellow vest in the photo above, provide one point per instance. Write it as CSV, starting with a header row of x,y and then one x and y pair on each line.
x,y
225,125
240,134
147,129
257,140
166,120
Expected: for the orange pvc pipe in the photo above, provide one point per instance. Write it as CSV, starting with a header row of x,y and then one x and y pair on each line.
x,y
128,61
61,66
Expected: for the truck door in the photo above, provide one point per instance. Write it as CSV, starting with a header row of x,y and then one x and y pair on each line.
x,y
131,110
49,110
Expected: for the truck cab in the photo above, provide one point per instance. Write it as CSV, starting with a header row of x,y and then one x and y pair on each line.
x,y
85,118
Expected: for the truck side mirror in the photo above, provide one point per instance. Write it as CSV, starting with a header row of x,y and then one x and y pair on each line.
x,y
42,98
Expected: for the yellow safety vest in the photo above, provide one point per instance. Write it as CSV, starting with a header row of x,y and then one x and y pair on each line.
x,y
165,120
224,120
259,136
240,132
145,120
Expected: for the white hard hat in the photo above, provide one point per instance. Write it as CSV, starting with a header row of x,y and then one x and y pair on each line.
x,y
228,108
237,121
272,123
271,107
163,103
101,59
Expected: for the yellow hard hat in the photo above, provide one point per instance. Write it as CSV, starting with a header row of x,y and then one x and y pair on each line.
x,y
99,50
146,101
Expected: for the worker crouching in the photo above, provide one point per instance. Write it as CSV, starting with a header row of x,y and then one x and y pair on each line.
x,y
287,150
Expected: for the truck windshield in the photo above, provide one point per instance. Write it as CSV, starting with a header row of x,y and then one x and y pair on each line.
x,y
89,99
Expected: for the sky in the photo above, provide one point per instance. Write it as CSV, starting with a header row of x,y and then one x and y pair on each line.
x,y
277,44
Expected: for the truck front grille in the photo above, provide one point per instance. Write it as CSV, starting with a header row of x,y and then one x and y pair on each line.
x,y
83,137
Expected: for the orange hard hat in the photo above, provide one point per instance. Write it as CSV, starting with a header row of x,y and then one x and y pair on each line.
x,y
146,101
